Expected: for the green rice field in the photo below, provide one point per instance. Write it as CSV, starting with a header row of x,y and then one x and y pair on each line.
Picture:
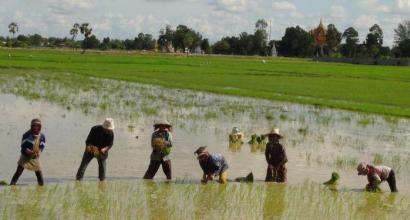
x,y
332,116
373,89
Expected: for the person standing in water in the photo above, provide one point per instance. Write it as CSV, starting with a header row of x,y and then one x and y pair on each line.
x,y
276,158
161,143
212,165
32,144
376,175
99,142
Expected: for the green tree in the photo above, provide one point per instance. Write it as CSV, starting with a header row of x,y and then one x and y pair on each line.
x,y
404,48
402,32
74,32
86,31
351,37
205,46
260,38
13,29
333,38
166,38
296,43
90,42
221,47
35,40
374,41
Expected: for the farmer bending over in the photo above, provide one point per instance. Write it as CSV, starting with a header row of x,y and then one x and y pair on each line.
x,y
376,175
32,144
98,144
212,165
276,157
161,143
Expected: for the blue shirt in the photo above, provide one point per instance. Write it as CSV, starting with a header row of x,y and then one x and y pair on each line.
x,y
27,142
216,164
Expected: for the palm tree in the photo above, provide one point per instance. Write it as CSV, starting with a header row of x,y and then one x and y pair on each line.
x,y
13,29
86,31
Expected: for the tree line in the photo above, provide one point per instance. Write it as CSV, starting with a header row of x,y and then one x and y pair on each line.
x,y
296,42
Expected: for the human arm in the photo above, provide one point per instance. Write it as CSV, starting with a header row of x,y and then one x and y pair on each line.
x,y
90,138
168,139
110,143
267,153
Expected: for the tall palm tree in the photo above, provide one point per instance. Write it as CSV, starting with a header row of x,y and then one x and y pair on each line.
x,y
13,29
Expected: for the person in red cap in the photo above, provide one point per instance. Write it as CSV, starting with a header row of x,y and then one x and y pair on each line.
x,y
32,144
212,165
376,175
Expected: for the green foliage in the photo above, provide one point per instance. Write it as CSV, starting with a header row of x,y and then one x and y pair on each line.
x,y
334,179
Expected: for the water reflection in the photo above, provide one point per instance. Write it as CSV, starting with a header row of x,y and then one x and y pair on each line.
x,y
318,141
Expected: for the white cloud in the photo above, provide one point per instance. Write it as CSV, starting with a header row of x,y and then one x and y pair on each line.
x,y
338,12
373,6
231,5
283,6
403,4
364,22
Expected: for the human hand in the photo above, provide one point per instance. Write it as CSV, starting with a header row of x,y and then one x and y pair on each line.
x,y
104,150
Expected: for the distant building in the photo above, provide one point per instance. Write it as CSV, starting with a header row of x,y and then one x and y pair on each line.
x,y
320,36
274,51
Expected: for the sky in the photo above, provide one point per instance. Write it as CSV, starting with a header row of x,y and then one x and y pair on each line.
x,y
213,18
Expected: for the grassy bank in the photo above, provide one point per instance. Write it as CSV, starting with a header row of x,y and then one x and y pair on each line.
x,y
373,89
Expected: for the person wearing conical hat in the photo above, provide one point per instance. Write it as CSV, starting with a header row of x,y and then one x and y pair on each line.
x,y
376,175
212,165
236,136
276,158
32,144
99,142
161,143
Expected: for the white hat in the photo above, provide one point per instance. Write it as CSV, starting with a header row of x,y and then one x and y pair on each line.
x,y
162,122
236,130
274,131
108,124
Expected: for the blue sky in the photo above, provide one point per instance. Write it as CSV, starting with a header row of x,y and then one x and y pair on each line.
x,y
214,18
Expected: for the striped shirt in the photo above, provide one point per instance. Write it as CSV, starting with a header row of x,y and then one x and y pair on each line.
x,y
27,142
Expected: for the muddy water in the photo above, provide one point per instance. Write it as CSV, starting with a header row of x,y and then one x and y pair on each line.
x,y
318,141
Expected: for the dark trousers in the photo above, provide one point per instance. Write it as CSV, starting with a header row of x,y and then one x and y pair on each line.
x,y
154,166
276,174
20,170
87,157
391,180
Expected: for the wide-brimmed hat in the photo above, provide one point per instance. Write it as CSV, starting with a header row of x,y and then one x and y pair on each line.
x,y
275,132
162,122
108,124
361,168
35,121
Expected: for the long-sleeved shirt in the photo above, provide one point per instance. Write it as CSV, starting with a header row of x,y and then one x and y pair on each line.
x,y
216,164
27,142
377,174
275,154
159,155
100,137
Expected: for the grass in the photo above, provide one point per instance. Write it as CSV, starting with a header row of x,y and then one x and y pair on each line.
x,y
374,89
186,200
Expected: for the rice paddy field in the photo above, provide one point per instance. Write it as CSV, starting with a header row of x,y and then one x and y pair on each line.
x,y
204,97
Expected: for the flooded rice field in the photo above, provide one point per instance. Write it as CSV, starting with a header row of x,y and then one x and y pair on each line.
x,y
318,142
